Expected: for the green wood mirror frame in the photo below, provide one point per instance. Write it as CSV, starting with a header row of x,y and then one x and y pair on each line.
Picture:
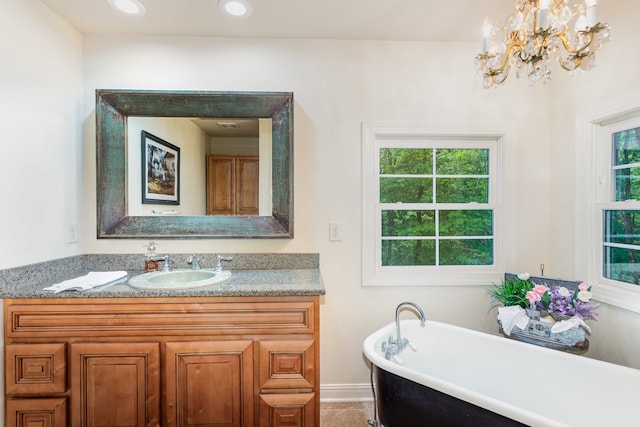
x,y
113,107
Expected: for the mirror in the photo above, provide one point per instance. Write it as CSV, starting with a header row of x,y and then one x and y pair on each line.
x,y
113,109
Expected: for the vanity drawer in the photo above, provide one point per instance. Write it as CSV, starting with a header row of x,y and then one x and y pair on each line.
x,y
159,316
35,368
287,364
36,412
297,410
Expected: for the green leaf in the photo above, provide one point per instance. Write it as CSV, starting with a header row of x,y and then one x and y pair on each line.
x,y
546,299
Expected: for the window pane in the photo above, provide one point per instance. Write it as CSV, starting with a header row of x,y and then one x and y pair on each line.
x,y
466,252
621,264
462,190
408,252
462,161
626,147
466,223
406,190
400,223
627,184
408,161
622,227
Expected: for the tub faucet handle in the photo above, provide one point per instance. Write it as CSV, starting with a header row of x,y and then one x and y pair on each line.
x,y
389,348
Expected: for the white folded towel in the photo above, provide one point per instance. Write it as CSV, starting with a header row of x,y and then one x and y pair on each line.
x,y
512,316
88,281
565,325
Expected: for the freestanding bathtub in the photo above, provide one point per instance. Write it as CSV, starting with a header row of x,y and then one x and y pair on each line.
x,y
460,377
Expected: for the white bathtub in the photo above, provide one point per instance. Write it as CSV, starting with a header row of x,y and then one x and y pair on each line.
x,y
522,382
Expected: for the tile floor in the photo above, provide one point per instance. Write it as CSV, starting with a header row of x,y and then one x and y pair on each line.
x,y
345,414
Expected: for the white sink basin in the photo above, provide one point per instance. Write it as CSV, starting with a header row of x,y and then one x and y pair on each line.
x,y
179,279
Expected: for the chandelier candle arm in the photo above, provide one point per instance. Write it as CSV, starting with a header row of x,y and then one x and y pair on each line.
x,y
537,31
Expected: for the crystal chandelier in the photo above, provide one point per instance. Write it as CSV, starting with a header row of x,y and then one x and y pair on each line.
x,y
536,31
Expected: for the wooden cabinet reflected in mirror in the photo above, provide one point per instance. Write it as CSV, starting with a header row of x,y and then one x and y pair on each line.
x,y
232,185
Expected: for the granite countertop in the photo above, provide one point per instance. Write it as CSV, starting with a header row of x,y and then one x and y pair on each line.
x,y
257,275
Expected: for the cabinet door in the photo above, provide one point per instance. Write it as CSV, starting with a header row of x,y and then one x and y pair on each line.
x,y
247,172
37,412
232,185
287,410
209,383
115,384
220,185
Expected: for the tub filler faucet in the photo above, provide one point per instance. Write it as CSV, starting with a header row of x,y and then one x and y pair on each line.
x,y
394,346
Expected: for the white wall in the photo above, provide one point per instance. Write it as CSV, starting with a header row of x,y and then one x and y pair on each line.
x,y
41,86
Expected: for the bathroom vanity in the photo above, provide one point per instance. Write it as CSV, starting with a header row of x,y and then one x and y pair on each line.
x,y
241,354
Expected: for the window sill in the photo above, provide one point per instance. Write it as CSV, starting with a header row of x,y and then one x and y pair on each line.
x,y
626,297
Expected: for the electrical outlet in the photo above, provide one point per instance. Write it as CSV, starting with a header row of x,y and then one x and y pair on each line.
x,y
72,232
335,231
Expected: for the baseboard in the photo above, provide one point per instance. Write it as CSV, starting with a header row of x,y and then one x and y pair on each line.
x,y
346,393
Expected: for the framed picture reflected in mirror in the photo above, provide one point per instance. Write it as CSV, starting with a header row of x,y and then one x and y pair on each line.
x,y
160,171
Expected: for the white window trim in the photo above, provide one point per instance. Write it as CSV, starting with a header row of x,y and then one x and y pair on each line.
x,y
502,203
593,184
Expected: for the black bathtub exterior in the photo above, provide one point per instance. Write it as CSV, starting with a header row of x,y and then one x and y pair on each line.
x,y
404,403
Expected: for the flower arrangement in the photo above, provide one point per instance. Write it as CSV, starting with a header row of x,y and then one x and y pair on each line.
x,y
558,301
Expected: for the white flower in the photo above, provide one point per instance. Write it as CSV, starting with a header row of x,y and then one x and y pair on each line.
x,y
564,291
584,296
524,276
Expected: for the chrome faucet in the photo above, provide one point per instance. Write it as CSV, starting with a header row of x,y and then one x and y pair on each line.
x,y
394,346
195,264
166,267
219,260
402,304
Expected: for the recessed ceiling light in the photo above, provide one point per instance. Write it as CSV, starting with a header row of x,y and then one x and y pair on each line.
x,y
235,8
130,7
228,125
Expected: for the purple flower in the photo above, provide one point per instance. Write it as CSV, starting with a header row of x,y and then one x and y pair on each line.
x,y
560,301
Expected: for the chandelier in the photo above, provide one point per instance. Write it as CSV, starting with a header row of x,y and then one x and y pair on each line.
x,y
537,31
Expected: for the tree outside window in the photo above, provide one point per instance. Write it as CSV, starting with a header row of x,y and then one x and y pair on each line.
x,y
622,226
434,207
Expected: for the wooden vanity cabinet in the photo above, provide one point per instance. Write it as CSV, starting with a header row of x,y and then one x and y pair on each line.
x,y
219,361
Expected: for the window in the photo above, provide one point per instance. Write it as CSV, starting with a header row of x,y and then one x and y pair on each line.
x,y
621,225
432,205
608,201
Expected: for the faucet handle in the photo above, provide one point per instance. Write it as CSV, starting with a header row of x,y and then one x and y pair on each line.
x,y
219,260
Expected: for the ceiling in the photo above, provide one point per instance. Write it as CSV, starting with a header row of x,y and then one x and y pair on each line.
x,y
222,127
402,20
